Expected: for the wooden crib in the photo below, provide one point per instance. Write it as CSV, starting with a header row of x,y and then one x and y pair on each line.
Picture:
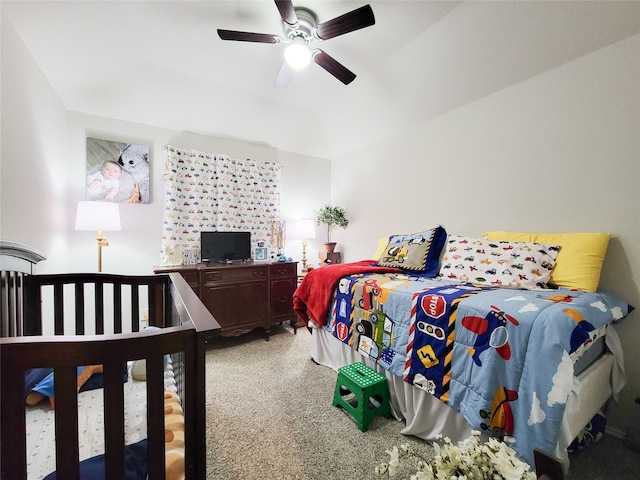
x,y
102,327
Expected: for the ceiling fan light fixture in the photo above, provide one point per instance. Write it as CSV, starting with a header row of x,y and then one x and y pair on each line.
x,y
301,28
297,55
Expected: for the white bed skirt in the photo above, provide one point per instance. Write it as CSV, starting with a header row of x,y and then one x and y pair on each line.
x,y
426,417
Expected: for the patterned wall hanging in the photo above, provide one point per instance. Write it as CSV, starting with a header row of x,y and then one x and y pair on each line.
x,y
207,192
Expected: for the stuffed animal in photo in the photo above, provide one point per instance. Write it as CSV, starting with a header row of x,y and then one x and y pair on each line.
x,y
134,181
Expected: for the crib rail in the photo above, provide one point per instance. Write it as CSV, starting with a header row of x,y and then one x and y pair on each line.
x,y
16,261
185,328
64,353
92,286
11,306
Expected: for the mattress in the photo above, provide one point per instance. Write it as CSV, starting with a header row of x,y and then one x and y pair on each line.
x,y
40,424
590,352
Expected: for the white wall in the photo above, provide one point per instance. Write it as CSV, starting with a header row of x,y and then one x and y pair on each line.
x,y
557,153
44,166
306,186
33,175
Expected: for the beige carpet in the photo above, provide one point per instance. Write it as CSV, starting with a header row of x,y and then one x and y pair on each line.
x,y
269,416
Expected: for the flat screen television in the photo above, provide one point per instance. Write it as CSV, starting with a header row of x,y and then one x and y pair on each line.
x,y
223,247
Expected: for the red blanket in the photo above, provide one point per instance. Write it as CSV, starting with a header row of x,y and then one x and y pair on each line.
x,y
312,298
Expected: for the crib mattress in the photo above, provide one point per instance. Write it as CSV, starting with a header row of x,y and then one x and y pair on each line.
x,y
40,425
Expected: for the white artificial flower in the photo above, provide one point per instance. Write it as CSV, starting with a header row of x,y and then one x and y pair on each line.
x,y
468,460
381,469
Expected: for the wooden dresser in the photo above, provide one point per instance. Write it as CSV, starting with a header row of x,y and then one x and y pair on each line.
x,y
243,296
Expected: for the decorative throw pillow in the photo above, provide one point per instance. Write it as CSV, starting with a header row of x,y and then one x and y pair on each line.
x,y
489,262
580,259
416,252
45,387
40,379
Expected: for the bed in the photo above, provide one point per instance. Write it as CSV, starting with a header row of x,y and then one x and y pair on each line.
x,y
105,330
470,334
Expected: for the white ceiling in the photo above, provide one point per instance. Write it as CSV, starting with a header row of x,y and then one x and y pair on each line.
x,y
161,63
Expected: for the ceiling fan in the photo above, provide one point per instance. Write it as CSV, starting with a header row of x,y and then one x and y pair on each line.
x,y
301,29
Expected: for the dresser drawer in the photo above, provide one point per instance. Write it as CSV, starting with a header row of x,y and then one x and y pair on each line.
x,y
283,269
246,274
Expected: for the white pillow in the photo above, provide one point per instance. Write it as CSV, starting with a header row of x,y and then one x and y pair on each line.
x,y
491,262
579,262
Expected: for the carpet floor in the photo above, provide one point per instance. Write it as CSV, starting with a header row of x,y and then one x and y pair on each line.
x,y
270,416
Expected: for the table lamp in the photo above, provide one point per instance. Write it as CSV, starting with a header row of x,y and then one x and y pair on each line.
x,y
100,217
302,229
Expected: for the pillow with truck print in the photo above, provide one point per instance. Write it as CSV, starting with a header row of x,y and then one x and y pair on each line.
x,y
416,252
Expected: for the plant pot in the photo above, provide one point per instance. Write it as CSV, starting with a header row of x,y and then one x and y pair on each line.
x,y
329,246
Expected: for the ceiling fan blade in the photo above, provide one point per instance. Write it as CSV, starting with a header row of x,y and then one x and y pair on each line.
x,y
284,75
287,12
247,36
334,67
356,19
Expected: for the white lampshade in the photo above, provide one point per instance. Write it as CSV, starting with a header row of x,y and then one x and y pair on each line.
x,y
96,216
302,229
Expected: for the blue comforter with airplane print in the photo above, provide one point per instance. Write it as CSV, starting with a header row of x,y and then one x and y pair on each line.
x,y
501,357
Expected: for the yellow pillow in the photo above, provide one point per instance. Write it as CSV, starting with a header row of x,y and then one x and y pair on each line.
x,y
382,244
580,258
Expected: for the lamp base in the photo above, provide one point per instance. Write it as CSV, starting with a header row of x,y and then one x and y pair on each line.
x,y
304,256
102,242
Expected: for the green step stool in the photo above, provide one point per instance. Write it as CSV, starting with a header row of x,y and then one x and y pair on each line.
x,y
363,393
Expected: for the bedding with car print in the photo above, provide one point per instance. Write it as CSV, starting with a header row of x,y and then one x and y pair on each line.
x,y
502,357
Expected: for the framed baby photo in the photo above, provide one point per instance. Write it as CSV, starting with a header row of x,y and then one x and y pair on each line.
x,y
261,254
117,171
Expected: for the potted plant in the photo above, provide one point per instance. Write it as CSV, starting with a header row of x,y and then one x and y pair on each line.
x,y
332,217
